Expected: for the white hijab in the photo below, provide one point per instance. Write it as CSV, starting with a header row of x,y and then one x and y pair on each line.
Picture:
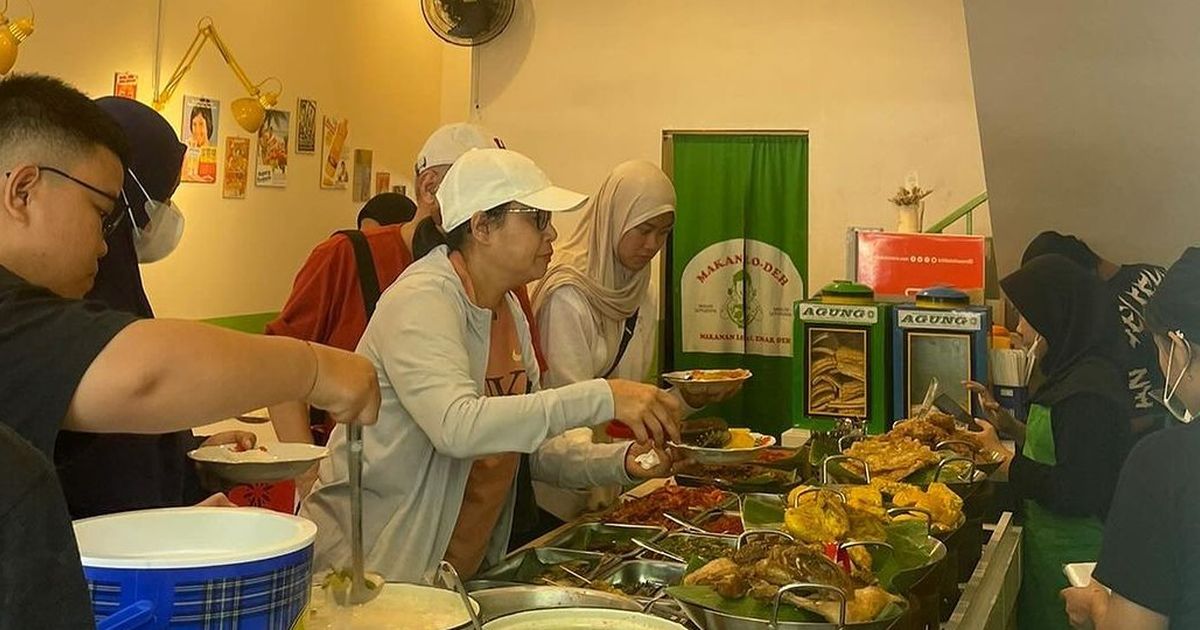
x,y
633,193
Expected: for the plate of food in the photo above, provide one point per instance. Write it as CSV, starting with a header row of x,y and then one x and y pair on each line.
x,y
728,446
261,464
737,477
678,502
716,384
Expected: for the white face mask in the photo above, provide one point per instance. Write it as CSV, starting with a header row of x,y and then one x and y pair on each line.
x,y
162,234
1180,411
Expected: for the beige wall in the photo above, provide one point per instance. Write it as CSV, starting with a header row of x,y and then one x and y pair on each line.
x,y
373,61
1088,113
883,87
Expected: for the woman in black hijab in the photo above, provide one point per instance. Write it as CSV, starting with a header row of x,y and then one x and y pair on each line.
x,y
1151,553
1076,432
106,473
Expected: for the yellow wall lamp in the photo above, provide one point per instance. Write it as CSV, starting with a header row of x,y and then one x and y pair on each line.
x,y
11,36
248,111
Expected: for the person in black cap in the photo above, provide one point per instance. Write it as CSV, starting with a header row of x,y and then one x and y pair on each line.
x,y
1150,557
1076,434
1132,287
389,208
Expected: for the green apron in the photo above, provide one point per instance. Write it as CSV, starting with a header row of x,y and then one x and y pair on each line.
x,y
1049,540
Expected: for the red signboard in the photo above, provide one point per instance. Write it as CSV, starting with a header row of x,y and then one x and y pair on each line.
x,y
900,265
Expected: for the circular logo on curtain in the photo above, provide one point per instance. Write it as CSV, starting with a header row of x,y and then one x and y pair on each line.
x,y
737,297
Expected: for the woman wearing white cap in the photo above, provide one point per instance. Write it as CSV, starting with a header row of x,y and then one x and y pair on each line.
x,y
462,395
597,314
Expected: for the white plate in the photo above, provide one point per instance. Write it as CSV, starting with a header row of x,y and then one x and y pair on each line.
x,y
285,460
174,538
580,619
703,455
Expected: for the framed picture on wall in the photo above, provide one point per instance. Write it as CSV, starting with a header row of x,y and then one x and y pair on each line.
x,y
335,173
306,126
363,159
125,85
383,182
237,167
201,119
271,170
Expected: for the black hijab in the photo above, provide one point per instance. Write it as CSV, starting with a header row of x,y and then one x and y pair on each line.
x,y
389,208
1067,245
156,156
1071,309
106,473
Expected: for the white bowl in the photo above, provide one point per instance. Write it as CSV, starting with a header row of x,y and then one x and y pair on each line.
x,y
395,608
580,619
177,538
280,461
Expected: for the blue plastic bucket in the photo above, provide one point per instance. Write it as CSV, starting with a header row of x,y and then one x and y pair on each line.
x,y
197,568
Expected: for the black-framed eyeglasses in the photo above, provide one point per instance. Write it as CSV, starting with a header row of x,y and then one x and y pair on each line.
x,y
108,220
541,218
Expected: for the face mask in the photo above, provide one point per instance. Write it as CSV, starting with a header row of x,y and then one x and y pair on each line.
x,y
1179,410
162,234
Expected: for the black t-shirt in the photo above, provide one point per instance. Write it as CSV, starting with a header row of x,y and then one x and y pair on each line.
x,y
113,472
41,582
47,342
1151,549
1133,286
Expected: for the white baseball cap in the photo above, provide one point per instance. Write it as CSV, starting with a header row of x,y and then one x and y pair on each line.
x,y
450,142
485,178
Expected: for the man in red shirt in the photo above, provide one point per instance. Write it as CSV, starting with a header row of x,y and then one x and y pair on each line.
x,y
327,305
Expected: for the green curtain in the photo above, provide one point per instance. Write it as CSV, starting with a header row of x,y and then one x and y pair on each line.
x,y
738,259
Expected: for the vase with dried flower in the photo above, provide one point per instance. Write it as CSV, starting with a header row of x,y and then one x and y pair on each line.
x,y
911,204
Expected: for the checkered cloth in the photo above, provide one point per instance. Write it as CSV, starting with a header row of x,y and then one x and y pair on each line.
x,y
271,600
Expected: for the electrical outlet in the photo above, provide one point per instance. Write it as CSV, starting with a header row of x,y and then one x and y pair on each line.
x,y
910,180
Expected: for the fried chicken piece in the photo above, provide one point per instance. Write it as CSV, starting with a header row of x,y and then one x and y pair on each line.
x,y
820,517
861,564
866,499
921,430
941,420
723,575
889,487
862,604
891,457
943,505
866,525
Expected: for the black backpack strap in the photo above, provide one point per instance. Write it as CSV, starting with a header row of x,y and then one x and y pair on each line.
x,y
367,278
626,336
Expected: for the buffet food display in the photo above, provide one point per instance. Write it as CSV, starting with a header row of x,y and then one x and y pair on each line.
x,y
725,549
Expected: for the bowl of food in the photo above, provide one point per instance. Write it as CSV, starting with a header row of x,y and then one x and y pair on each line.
x,y
397,607
262,464
741,446
580,619
708,384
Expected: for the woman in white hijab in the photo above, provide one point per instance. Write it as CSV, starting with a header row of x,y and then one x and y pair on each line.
x,y
597,314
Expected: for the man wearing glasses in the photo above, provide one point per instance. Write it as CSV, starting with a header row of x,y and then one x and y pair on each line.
x,y
73,364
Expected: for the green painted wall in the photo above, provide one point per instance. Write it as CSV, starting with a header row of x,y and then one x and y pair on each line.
x,y
252,323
